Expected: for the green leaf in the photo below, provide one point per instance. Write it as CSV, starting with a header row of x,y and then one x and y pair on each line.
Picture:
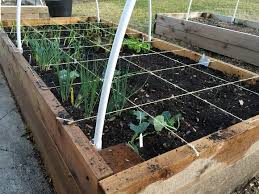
x,y
63,74
139,128
159,123
140,115
167,115
73,75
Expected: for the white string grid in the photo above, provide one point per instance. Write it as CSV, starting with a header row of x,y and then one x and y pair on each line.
x,y
173,97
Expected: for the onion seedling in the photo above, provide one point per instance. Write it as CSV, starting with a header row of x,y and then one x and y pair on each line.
x,y
88,94
45,53
119,93
66,79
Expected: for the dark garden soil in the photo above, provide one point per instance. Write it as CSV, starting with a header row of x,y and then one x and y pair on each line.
x,y
216,22
199,119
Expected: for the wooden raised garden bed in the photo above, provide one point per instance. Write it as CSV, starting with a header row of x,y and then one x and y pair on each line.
x,y
213,32
219,107
9,12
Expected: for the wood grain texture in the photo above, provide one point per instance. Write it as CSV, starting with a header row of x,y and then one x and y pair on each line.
x,y
179,171
9,12
239,45
86,166
120,157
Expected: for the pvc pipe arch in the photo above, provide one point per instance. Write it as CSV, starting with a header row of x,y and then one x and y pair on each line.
x,y
150,20
235,12
107,83
18,25
189,10
97,11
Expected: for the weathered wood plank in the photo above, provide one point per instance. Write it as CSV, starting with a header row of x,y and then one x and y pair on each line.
x,y
222,165
9,12
209,44
19,83
231,37
44,21
85,164
120,157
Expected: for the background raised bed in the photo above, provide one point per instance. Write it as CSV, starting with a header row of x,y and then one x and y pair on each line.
x,y
226,41
39,11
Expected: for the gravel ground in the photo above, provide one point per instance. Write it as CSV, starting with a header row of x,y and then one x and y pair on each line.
x,y
20,167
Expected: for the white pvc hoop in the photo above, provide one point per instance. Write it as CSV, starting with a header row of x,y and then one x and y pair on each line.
x,y
0,10
189,10
235,12
106,88
150,20
97,11
18,25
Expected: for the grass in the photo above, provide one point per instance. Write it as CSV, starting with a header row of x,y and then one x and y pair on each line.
x,y
111,9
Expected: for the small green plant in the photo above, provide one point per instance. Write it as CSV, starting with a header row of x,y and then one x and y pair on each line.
x,y
88,95
165,121
66,79
26,38
138,129
71,38
136,45
119,90
45,52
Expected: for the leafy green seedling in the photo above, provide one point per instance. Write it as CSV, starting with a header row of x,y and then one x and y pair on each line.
x,y
64,75
160,122
66,79
138,129
136,45
167,121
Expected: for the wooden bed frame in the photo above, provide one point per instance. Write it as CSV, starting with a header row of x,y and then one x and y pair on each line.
x,y
76,167
234,44
8,12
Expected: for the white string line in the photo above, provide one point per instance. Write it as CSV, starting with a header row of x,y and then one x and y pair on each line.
x,y
120,57
175,134
71,58
69,24
153,74
129,75
204,72
191,94
190,145
160,53
101,45
72,47
186,91
66,53
196,97
65,30
169,98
